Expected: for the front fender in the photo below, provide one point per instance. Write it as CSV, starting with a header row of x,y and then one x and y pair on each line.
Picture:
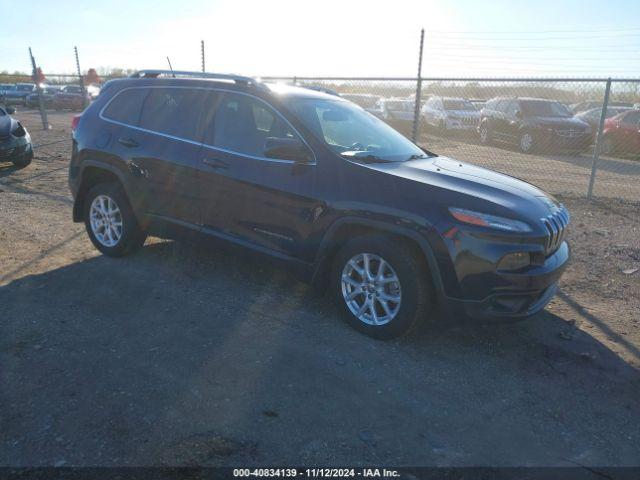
x,y
329,243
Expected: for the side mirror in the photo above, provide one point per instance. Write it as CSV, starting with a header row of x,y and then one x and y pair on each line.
x,y
10,110
287,149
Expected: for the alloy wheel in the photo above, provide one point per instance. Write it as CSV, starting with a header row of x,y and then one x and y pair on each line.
x,y
371,289
105,218
526,142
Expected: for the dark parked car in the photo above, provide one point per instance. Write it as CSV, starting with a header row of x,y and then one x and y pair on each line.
x,y
622,133
47,96
533,124
318,184
17,94
70,97
15,142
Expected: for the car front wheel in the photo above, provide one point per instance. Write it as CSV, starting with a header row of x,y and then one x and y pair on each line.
x,y
526,142
110,222
382,286
485,135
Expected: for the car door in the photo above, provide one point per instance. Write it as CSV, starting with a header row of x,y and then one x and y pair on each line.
x,y
161,148
264,202
512,121
627,132
500,129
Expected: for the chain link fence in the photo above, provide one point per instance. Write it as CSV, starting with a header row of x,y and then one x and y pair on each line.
x,y
543,131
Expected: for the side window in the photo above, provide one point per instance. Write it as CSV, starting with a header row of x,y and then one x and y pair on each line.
x,y
632,118
512,108
242,125
126,106
174,111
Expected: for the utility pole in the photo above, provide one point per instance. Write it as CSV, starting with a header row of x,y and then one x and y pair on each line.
x,y
202,53
43,113
80,79
416,112
170,67
598,146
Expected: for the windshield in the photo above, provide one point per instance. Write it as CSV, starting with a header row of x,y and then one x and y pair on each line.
x,y
25,88
458,105
345,127
541,108
8,87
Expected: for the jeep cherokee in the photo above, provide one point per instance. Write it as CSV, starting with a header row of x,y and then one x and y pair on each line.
x,y
317,182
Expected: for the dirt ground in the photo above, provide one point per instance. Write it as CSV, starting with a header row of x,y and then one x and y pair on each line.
x,y
192,355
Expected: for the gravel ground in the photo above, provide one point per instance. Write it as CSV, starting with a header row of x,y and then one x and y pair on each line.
x,y
185,355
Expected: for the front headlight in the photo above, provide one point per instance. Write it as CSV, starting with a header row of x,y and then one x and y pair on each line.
x,y
491,221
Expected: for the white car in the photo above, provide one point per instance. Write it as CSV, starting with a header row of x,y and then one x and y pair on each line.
x,y
399,109
450,113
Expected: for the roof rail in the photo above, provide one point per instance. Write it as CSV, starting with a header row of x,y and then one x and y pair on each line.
x,y
179,73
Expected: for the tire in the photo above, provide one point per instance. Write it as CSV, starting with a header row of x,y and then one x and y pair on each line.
x,y
415,292
526,142
485,134
131,236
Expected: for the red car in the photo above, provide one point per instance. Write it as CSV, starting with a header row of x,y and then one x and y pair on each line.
x,y
622,133
70,97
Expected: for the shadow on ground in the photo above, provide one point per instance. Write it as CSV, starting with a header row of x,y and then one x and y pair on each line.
x,y
181,355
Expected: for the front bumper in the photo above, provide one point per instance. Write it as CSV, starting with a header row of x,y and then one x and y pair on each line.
x,y
517,295
15,149
462,125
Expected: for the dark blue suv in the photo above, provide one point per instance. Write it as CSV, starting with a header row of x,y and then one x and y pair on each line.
x,y
318,183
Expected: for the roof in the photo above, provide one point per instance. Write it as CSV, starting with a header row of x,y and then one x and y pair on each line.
x,y
235,82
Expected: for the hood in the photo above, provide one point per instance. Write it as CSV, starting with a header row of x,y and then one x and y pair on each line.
x,y
477,185
7,125
557,122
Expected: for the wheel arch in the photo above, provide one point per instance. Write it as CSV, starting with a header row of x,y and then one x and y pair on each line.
x,y
347,228
91,174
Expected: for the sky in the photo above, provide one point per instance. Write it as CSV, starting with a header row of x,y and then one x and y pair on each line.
x,y
329,37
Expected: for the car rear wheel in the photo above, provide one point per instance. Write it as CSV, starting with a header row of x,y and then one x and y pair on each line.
x,y
382,286
110,222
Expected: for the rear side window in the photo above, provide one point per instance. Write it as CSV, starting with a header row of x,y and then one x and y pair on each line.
x,y
126,106
174,111
242,124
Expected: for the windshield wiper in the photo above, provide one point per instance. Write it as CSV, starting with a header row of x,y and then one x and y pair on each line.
x,y
417,156
363,156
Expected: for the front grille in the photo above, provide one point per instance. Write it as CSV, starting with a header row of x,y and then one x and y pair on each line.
x,y
556,225
470,121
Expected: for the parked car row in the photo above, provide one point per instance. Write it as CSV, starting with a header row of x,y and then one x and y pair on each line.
x,y
530,124
68,97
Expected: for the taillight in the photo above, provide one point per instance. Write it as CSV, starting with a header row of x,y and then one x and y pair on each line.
x,y
75,122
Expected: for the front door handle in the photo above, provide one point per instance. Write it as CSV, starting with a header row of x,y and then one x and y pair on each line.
x,y
128,142
215,163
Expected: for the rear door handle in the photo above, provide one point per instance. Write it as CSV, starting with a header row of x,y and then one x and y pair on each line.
x,y
128,142
215,163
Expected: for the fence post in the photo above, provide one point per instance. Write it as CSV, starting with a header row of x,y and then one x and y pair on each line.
x,y
597,147
80,80
416,112
202,54
43,113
